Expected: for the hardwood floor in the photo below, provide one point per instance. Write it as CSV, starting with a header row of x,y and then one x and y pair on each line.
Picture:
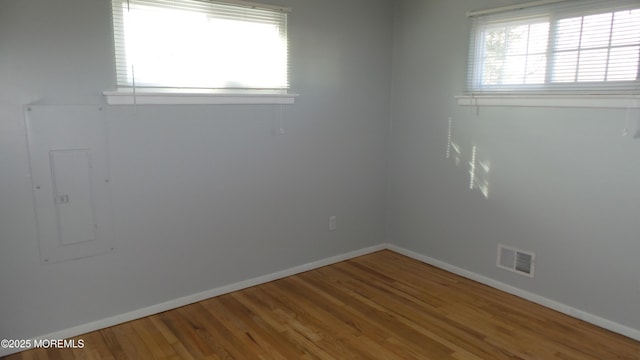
x,y
379,306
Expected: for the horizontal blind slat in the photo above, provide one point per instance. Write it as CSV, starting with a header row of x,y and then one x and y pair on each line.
x,y
200,44
591,46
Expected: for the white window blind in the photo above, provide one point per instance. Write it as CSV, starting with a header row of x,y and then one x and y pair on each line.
x,y
193,44
588,47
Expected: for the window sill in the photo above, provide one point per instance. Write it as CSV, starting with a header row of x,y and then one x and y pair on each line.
x,y
554,101
182,98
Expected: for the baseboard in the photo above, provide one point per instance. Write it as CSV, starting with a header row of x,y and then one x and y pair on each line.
x,y
552,304
190,299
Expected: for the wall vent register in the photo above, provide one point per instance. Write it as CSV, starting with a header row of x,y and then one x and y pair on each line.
x,y
515,260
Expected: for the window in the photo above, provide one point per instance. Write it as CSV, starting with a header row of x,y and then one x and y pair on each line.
x,y
198,46
570,46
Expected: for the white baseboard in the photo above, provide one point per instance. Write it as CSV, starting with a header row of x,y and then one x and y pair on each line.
x,y
552,304
190,299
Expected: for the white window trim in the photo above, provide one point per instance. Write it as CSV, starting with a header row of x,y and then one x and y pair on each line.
x,y
180,98
552,100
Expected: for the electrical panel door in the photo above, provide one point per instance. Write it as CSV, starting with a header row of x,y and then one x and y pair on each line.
x,y
70,179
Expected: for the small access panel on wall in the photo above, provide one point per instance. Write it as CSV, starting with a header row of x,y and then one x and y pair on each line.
x,y
70,178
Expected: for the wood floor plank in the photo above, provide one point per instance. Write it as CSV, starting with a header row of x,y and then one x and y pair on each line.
x,y
302,339
113,344
216,334
435,322
152,338
329,329
164,335
251,327
187,334
378,306
97,350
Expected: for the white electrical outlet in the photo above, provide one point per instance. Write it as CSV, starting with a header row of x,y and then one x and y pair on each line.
x,y
332,223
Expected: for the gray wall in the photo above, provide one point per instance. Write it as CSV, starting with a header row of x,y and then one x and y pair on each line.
x,y
563,182
203,196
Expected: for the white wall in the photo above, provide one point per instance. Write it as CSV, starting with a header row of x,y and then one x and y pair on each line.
x,y
563,182
203,196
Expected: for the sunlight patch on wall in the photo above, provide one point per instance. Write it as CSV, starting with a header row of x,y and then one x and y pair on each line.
x,y
479,164
453,149
479,173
